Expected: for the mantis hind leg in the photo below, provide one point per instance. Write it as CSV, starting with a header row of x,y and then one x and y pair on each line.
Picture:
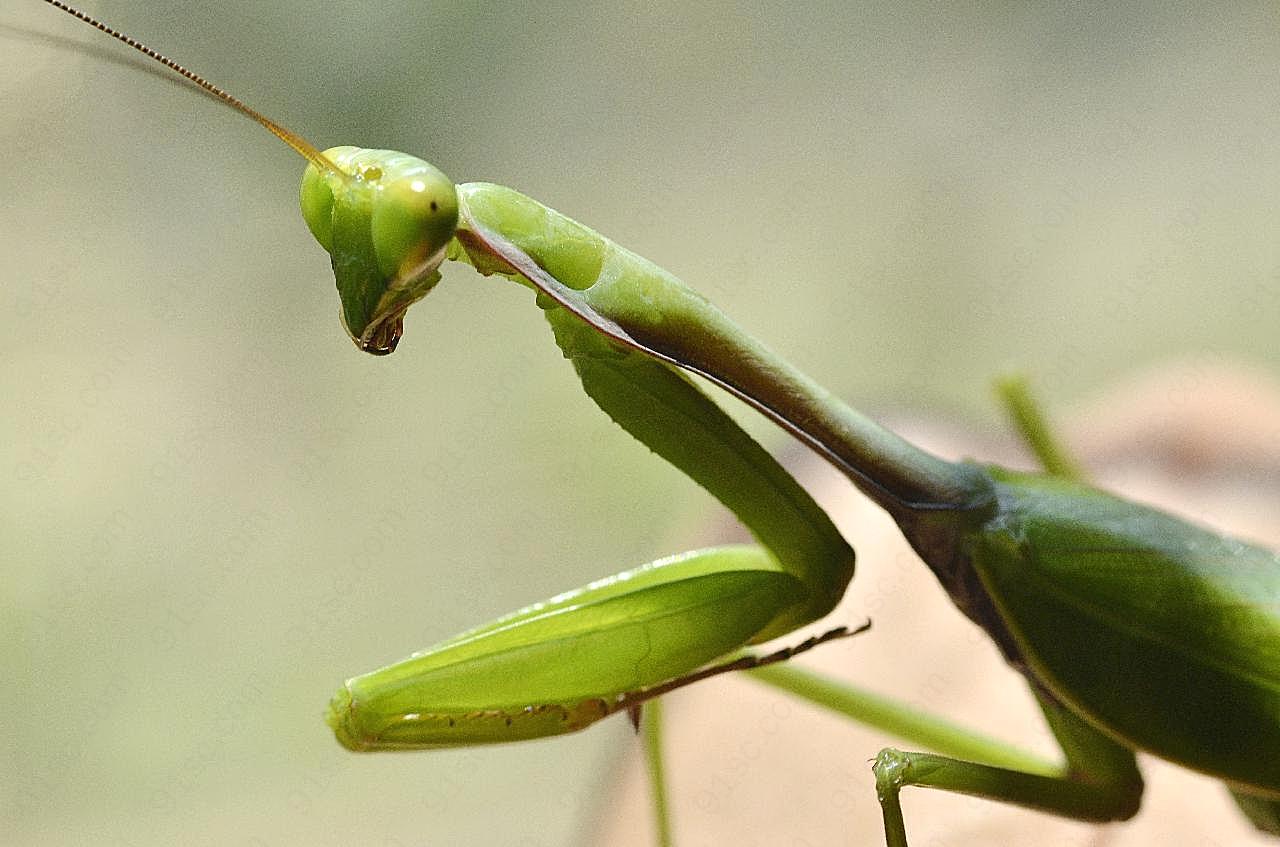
x,y
1099,782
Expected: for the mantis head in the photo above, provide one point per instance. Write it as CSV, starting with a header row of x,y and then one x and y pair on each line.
x,y
385,219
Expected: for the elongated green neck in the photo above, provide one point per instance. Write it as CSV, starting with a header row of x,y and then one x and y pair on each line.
x,y
886,467
640,305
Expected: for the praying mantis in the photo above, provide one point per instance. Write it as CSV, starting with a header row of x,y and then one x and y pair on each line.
x,y
970,523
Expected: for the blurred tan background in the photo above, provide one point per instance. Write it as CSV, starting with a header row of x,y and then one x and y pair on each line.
x,y
213,509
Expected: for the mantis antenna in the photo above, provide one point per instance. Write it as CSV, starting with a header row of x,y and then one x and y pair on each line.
x,y
297,142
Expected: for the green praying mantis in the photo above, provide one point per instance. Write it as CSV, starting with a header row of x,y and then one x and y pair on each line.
x,y
1131,627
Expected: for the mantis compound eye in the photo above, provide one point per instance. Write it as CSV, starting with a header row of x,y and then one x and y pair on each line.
x,y
385,219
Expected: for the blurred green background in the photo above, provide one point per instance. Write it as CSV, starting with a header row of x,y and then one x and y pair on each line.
x,y
214,509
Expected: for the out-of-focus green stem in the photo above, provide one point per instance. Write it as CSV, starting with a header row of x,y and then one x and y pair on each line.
x,y
1015,393
652,727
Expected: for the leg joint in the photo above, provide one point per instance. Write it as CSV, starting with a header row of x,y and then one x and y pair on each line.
x,y
891,768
